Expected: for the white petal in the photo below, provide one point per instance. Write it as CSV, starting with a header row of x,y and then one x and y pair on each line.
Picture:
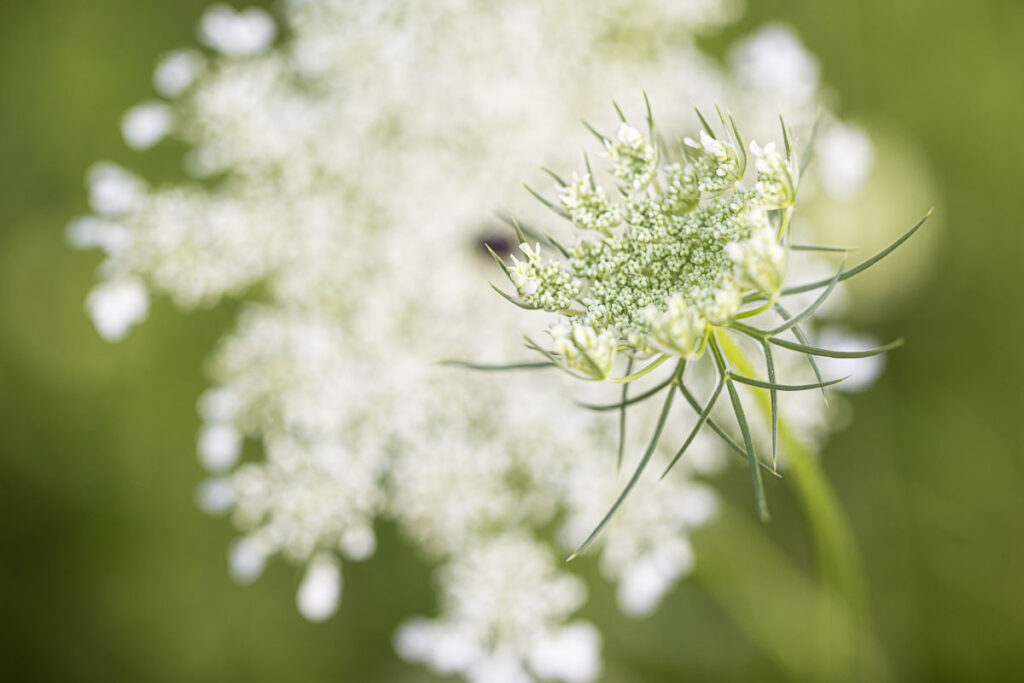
x,y
219,404
238,34
176,72
358,543
641,589
572,654
246,560
320,590
215,496
862,372
117,306
219,447
112,189
414,639
146,124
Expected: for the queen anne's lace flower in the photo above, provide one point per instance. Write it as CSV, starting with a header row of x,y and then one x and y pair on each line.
x,y
671,251
344,179
674,280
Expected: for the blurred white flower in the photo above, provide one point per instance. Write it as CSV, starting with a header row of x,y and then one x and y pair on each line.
x,y
247,559
237,33
215,495
646,582
572,654
90,232
371,134
504,610
177,71
775,63
116,306
219,446
146,124
861,373
358,543
113,191
320,589
845,156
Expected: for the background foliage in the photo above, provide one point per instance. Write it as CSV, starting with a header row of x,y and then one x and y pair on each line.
x,y
109,570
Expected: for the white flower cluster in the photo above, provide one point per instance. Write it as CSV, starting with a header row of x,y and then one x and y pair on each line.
x,y
542,284
351,171
635,161
588,205
506,606
677,267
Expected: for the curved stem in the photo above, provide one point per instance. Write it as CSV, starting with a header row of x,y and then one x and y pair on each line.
x,y
639,373
838,559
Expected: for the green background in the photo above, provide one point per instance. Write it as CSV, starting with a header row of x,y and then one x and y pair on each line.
x,y
109,571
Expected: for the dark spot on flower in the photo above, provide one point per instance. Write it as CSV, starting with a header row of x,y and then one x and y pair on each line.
x,y
501,241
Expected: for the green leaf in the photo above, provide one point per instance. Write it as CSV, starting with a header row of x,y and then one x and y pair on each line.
x,y
627,402
590,173
553,242
739,139
798,332
555,360
773,396
704,122
785,138
641,466
519,231
815,351
594,367
811,143
748,330
554,176
861,266
717,429
487,367
557,209
641,372
783,387
511,299
809,311
526,231
650,115
755,472
497,259
601,138
530,344
704,414
818,247
622,117
622,417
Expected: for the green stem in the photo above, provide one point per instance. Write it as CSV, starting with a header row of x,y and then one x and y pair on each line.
x,y
838,559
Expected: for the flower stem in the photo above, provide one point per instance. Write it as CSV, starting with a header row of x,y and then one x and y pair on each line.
x,y
838,559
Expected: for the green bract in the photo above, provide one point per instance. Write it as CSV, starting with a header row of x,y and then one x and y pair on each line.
x,y
668,269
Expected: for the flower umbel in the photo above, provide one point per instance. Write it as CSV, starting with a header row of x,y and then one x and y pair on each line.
x,y
673,268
